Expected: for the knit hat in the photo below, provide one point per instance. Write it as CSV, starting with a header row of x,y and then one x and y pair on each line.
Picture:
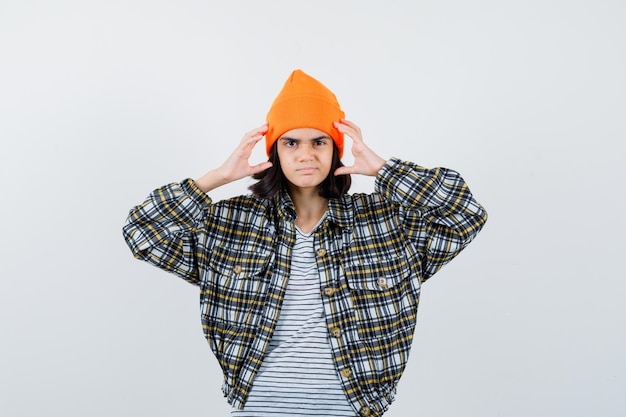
x,y
304,102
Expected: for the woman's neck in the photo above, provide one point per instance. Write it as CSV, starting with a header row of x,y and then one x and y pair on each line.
x,y
310,207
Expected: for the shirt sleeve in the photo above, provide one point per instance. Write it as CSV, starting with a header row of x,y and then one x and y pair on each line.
x,y
163,231
438,211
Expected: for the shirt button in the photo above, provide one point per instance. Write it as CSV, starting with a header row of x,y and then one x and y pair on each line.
x,y
328,291
321,252
346,372
365,411
336,332
237,269
382,282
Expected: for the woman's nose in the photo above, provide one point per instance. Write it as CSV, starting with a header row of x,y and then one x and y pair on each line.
x,y
306,152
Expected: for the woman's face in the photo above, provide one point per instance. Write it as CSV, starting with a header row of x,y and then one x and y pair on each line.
x,y
305,156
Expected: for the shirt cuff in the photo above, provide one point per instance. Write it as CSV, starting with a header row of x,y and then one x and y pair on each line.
x,y
201,198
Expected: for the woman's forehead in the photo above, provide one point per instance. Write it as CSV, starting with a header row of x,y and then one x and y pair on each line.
x,y
304,133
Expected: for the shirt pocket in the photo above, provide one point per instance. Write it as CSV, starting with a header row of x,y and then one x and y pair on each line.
x,y
377,274
382,296
237,285
385,309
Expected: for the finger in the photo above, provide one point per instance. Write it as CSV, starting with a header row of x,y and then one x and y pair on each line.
x,y
251,141
261,167
261,130
254,139
351,124
354,133
345,170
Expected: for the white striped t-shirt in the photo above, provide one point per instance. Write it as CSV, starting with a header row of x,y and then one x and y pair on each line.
x,y
297,377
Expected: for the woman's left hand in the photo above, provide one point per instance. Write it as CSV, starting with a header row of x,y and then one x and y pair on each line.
x,y
366,161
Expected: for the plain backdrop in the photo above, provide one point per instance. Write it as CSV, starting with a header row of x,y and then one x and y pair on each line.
x,y
103,101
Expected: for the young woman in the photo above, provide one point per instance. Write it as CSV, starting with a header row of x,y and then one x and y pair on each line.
x,y
308,295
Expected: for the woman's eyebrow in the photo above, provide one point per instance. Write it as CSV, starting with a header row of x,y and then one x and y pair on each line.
x,y
298,140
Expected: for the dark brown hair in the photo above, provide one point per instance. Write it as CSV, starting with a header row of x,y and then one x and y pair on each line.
x,y
272,180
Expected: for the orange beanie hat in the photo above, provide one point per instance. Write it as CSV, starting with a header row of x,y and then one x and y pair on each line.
x,y
304,102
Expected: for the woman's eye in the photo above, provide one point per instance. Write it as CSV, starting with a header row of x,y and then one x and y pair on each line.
x,y
320,142
290,143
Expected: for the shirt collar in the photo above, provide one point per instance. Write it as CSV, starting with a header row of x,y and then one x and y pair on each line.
x,y
286,209
340,210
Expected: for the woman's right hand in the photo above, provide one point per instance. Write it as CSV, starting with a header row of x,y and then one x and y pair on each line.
x,y
236,165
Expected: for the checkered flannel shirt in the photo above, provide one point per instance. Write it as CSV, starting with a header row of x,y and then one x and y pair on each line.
x,y
373,252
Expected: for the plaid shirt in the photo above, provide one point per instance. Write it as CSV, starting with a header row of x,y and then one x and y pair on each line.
x,y
373,252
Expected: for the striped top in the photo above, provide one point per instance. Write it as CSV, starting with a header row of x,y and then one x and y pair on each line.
x,y
298,377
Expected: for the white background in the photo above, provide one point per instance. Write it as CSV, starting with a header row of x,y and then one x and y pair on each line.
x,y
103,101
